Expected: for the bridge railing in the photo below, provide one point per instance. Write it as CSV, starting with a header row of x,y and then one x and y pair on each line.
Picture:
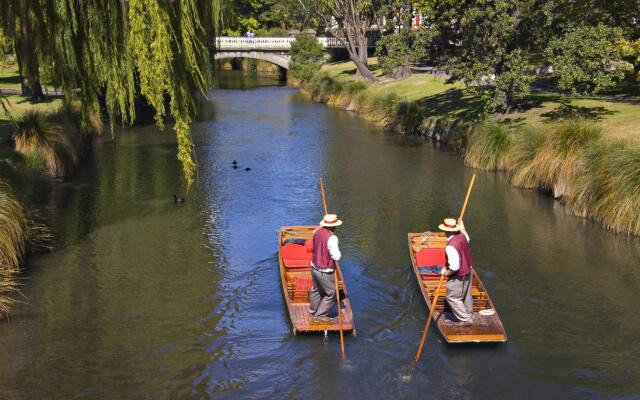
x,y
267,43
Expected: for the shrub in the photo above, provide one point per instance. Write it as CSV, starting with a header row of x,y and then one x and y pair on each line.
x,y
586,58
393,52
306,57
36,135
489,146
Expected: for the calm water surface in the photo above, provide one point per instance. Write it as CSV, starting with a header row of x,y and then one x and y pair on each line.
x,y
146,299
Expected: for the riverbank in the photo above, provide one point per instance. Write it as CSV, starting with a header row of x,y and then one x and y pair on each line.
x,y
40,143
585,152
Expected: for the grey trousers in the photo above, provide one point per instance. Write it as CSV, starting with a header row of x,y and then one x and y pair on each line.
x,y
459,297
323,293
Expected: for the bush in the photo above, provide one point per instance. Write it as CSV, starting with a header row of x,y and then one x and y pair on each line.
x,y
307,55
586,59
393,52
489,146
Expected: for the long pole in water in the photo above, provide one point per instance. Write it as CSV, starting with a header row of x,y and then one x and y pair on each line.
x,y
335,278
437,292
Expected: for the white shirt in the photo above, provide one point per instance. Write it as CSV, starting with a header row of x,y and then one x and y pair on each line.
x,y
334,250
452,255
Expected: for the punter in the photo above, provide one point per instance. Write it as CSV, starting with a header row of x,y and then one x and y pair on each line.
x,y
458,269
323,267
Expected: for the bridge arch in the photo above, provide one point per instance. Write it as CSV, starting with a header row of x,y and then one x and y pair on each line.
x,y
281,60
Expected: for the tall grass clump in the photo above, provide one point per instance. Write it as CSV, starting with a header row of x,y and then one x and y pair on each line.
x,y
407,118
35,135
324,87
13,222
525,146
8,292
489,146
609,191
355,87
561,157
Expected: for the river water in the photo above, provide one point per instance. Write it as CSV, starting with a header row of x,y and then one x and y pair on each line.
x,y
143,298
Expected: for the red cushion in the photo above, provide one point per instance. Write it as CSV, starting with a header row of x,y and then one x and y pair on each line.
x,y
309,245
428,257
295,255
303,283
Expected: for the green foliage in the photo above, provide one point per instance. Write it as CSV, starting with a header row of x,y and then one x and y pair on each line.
x,y
151,48
306,57
248,23
356,87
393,52
272,32
586,59
35,136
488,32
489,146
422,43
513,83
630,50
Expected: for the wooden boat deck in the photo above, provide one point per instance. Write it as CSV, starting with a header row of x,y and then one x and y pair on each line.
x,y
485,328
298,299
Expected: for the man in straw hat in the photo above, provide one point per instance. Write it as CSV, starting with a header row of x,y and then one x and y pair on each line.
x,y
323,265
458,269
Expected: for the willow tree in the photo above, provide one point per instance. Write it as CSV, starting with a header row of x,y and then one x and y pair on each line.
x,y
123,49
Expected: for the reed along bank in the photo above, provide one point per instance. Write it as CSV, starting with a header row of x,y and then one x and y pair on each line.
x,y
585,152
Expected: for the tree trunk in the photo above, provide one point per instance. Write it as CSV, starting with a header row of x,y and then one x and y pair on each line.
x,y
29,68
400,72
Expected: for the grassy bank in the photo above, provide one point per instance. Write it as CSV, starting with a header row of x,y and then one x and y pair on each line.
x,y
583,151
38,142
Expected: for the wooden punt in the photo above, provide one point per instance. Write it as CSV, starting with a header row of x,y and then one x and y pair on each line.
x,y
295,276
428,247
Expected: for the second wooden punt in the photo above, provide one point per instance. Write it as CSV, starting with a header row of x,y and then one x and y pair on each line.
x,y
427,249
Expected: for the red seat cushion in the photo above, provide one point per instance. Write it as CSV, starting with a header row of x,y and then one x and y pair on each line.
x,y
428,257
295,255
303,283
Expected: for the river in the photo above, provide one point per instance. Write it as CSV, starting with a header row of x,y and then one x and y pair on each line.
x,y
143,298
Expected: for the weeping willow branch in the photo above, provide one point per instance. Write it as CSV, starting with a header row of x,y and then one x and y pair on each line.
x,y
121,50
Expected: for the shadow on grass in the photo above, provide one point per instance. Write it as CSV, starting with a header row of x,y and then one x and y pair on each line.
x,y
13,79
568,111
452,104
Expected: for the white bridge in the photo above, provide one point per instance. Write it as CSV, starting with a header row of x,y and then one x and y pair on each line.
x,y
272,49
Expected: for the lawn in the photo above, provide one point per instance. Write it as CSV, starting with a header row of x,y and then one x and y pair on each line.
x,y
620,119
9,78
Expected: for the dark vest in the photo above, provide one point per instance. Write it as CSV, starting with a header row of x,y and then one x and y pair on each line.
x,y
321,256
460,243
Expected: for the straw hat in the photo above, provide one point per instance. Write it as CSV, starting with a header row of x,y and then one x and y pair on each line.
x,y
330,220
450,225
